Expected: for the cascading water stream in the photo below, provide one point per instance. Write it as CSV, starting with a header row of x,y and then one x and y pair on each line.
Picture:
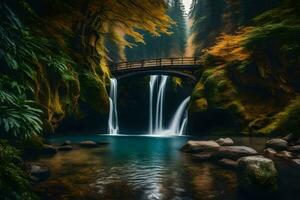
x,y
183,125
152,82
113,124
179,122
160,104
156,117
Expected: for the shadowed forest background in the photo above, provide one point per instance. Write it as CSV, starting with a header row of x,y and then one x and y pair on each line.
x,y
55,59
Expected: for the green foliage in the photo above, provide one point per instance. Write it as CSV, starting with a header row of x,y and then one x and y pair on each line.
x,y
212,19
277,31
207,21
36,76
47,45
94,90
19,117
29,147
284,35
14,182
285,121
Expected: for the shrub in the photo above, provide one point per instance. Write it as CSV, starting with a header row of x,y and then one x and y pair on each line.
x,y
14,182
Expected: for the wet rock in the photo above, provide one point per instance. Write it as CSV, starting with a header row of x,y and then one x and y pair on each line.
x,y
228,163
67,142
48,150
284,154
257,173
277,144
198,146
296,163
289,138
37,171
88,144
269,152
65,148
234,152
294,149
225,141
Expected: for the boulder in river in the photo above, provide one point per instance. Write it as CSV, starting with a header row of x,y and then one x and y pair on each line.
x,y
48,150
277,144
257,173
37,171
296,163
234,152
88,144
294,149
289,138
284,154
225,141
269,152
67,142
199,146
65,148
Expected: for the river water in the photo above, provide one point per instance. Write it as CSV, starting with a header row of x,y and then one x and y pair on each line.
x,y
143,168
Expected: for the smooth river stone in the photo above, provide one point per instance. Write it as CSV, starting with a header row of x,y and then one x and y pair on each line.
x,y
65,148
295,149
199,146
48,150
269,152
284,154
234,152
277,144
225,141
38,171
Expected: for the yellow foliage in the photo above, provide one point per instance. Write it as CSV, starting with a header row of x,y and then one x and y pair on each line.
x,y
229,47
177,81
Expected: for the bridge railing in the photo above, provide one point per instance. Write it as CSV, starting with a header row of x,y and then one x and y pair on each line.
x,y
159,62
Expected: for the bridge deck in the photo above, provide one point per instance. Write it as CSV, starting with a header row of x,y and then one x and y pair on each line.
x,y
183,63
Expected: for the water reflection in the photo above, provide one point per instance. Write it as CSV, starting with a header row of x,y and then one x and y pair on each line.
x,y
142,168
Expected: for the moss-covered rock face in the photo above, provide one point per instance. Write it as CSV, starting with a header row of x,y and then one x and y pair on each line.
x,y
216,98
231,100
250,80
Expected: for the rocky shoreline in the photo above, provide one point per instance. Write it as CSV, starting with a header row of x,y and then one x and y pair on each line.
x,y
40,172
255,171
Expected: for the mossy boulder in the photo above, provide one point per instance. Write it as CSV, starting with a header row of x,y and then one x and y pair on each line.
x,y
277,144
256,173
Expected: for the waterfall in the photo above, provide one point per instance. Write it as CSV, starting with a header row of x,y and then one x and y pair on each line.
x,y
183,125
152,82
157,87
113,124
179,122
160,104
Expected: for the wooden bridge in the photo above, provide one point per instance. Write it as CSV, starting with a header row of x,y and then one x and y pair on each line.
x,y
182,67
